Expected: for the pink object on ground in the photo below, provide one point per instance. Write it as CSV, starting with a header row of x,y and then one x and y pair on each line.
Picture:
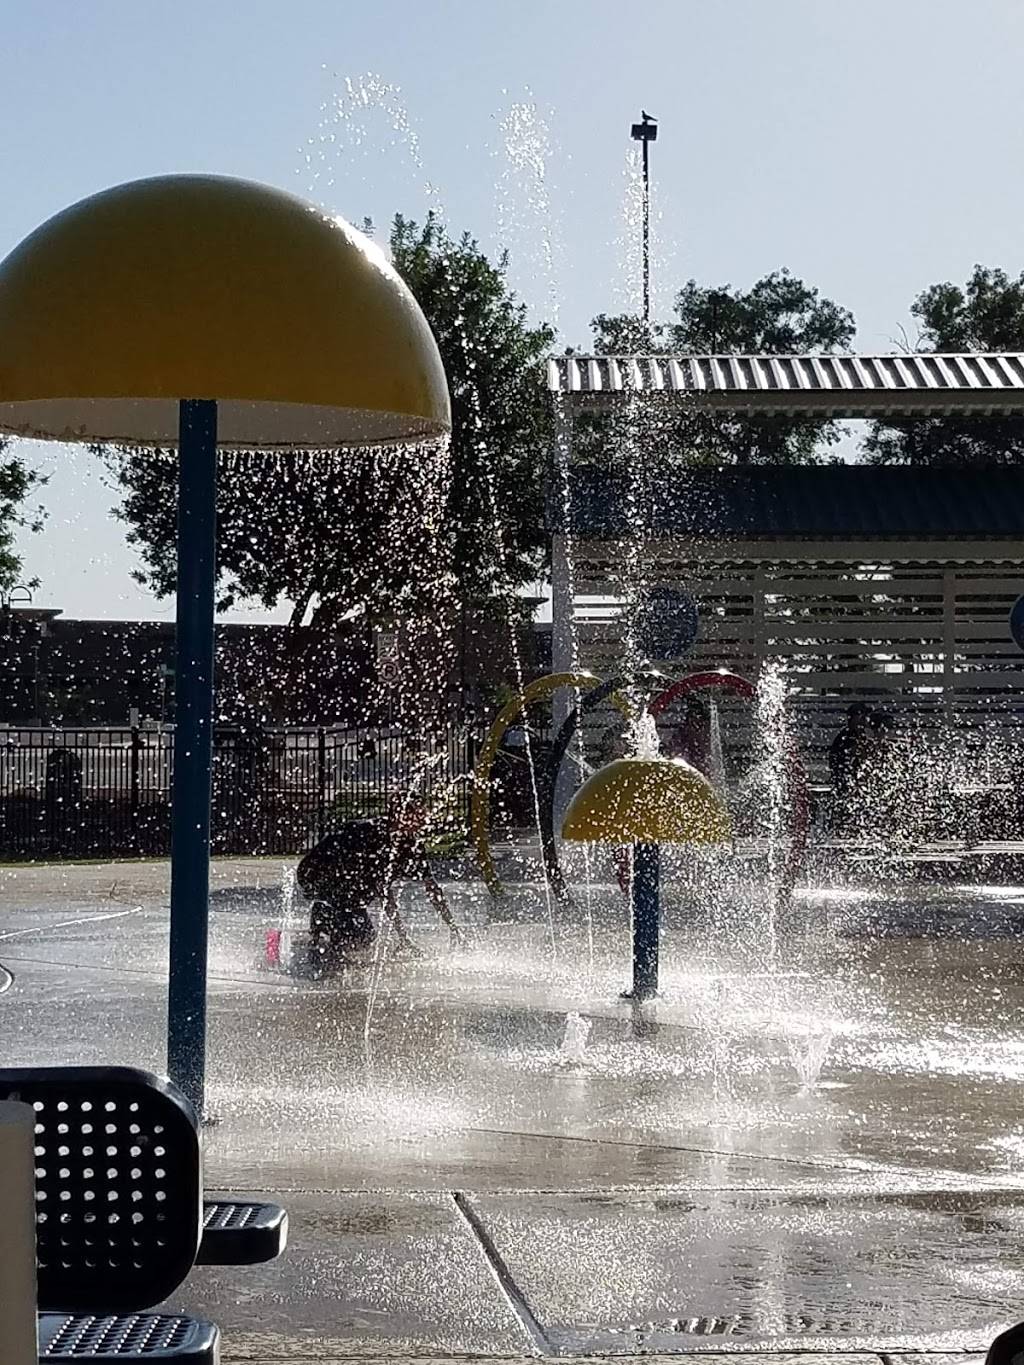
x,y
273,948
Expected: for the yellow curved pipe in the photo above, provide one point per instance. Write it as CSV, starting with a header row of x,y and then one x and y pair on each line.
x,y
480,804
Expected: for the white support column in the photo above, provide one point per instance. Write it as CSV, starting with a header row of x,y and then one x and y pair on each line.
x,y
563,624
949,645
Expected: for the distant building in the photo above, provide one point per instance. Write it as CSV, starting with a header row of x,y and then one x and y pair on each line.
x,y
887,586
60,671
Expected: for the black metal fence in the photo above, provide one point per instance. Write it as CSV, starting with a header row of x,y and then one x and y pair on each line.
x,y
101,793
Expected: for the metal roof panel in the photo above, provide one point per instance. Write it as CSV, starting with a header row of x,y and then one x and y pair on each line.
x,y
840,385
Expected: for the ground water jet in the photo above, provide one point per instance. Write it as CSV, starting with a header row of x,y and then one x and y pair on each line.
x,y
574,1041
808,1051
281,953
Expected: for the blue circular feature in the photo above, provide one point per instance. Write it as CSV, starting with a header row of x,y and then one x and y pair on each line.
x,y
1017,622
668,622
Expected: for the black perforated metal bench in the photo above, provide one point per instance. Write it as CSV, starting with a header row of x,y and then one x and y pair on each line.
x,y
118,1213
1008,1347
239,1233
118,1186
120,1219
234,1231
126,1337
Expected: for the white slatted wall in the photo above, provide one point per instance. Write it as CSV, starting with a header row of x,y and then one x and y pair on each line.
x,y
928,640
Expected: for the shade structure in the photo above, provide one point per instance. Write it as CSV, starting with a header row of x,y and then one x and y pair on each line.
x,y
207,287
200,311
647,801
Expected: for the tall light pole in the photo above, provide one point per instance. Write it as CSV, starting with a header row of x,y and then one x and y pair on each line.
x,y
645,132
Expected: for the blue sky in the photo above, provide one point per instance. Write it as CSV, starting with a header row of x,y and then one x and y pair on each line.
x,y
873,149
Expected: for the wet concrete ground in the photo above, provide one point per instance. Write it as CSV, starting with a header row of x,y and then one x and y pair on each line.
x,y
461,1182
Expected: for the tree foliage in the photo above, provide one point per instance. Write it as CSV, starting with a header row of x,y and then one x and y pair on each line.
x,y
373,534
778,315
16,483
339,534
985,314
500,408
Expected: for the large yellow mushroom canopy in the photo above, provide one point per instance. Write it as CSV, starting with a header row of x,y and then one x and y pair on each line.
x,y
196,286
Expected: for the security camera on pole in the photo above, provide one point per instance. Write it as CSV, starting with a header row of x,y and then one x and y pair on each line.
x,y
645,132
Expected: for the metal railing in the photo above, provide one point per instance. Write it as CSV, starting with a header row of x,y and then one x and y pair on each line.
x,y
106,793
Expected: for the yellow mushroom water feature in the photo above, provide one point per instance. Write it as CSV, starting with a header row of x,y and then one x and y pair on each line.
x,y
203,311
647,801
480,806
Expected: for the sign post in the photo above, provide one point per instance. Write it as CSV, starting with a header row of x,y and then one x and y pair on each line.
x,y
1017,622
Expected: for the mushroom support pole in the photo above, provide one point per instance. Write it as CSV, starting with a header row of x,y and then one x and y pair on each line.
x,y
193,748
646,920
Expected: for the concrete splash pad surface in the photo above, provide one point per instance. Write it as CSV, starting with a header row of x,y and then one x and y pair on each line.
x,y
457,1182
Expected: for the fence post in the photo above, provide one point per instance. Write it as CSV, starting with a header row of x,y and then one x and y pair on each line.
x,y
136,750
321,782
466,789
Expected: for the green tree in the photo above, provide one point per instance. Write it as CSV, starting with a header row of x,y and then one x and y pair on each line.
x,y
500,409
778,315
16,483
986,314
370,537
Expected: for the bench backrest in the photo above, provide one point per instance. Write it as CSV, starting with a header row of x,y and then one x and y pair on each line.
x,y
118,1185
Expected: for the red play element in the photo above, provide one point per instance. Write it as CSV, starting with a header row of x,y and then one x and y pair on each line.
x,y
713,678
273,948
800,817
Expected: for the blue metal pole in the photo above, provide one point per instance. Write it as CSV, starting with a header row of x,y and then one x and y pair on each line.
x,y
646,919
193,748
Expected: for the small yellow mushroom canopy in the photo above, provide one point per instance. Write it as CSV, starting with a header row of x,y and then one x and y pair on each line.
x,y
647,800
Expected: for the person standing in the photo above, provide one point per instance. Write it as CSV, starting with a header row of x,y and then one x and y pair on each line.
x,y
847,756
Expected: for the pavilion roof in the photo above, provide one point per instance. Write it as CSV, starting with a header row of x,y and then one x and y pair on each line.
x,y
820,502
825,385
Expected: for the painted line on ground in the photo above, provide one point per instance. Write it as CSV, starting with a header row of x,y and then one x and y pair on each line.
x,y
70,923
278,979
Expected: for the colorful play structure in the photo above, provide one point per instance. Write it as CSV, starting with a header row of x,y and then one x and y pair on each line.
x,y
641,802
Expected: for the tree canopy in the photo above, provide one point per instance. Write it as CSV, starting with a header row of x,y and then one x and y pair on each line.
x,y
500,407
985,314
374,534
16,483
779,315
